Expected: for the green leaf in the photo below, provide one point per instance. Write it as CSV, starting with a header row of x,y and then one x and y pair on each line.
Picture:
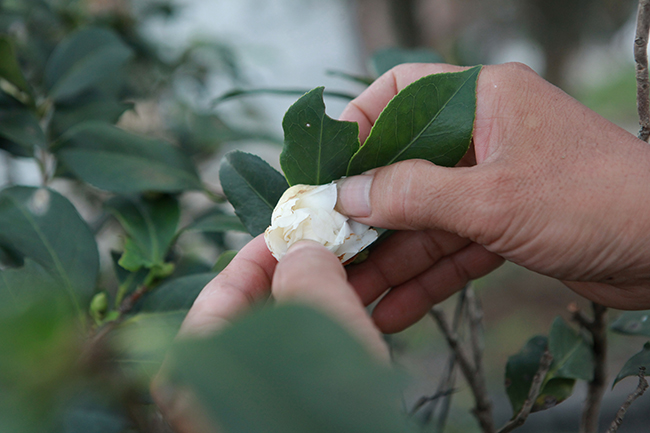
x,y
21,285
384,60
317,149
216,221
176,295
82,60
432,119
289,369
631,367
572,354
224,260
99,107
142,341
151,227
21,126
633,323
128,281
115,160
520,370
47,229
253,187
9,67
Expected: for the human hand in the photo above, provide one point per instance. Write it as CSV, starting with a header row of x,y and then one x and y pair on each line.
x,y
308,273
549,185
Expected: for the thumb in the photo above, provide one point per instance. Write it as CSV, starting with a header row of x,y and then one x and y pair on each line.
x,y
418,195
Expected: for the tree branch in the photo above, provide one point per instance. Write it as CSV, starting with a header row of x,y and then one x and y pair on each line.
x,y
535,388
597,328
476,381
638,392
641,60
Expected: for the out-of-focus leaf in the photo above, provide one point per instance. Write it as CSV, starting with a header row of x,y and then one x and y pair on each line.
x,y
253,187
46,228
290,369
9,67
150,225
520,370
128,281
572,354
216,222
85,108
572,359
633,323
82,60
20,126
115,160
224,260
237,93
432,119
142,341
176,295
40,351
317,149
21,285
384,60
631,367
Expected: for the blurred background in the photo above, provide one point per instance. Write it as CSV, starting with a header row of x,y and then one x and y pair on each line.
x,y
188,54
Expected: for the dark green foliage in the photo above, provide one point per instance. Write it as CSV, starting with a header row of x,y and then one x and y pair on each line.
x,y
47,229
253,187
297,372
432,119
632,366
317,148
572,360
633,323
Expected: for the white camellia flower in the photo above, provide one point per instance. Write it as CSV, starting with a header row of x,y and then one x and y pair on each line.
x,y
307,212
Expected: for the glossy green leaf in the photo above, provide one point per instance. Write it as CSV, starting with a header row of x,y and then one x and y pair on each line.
x,y
633,323
150,225
290,369
572,354
317,149
83,60
9,67
385,59
47,229
253,187
128,281
432,119
177,294
21,126
631,367
115,160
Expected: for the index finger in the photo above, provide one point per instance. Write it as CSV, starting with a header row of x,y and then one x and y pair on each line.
x,y
245,281
365,108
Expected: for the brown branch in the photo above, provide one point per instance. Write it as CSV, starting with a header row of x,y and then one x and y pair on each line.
x,y
483,409
596,388
641,60
638,392
535,388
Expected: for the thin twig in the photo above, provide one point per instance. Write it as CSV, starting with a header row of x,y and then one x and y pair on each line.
x,y
483,409
641,60
638,392
596,389
535,388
